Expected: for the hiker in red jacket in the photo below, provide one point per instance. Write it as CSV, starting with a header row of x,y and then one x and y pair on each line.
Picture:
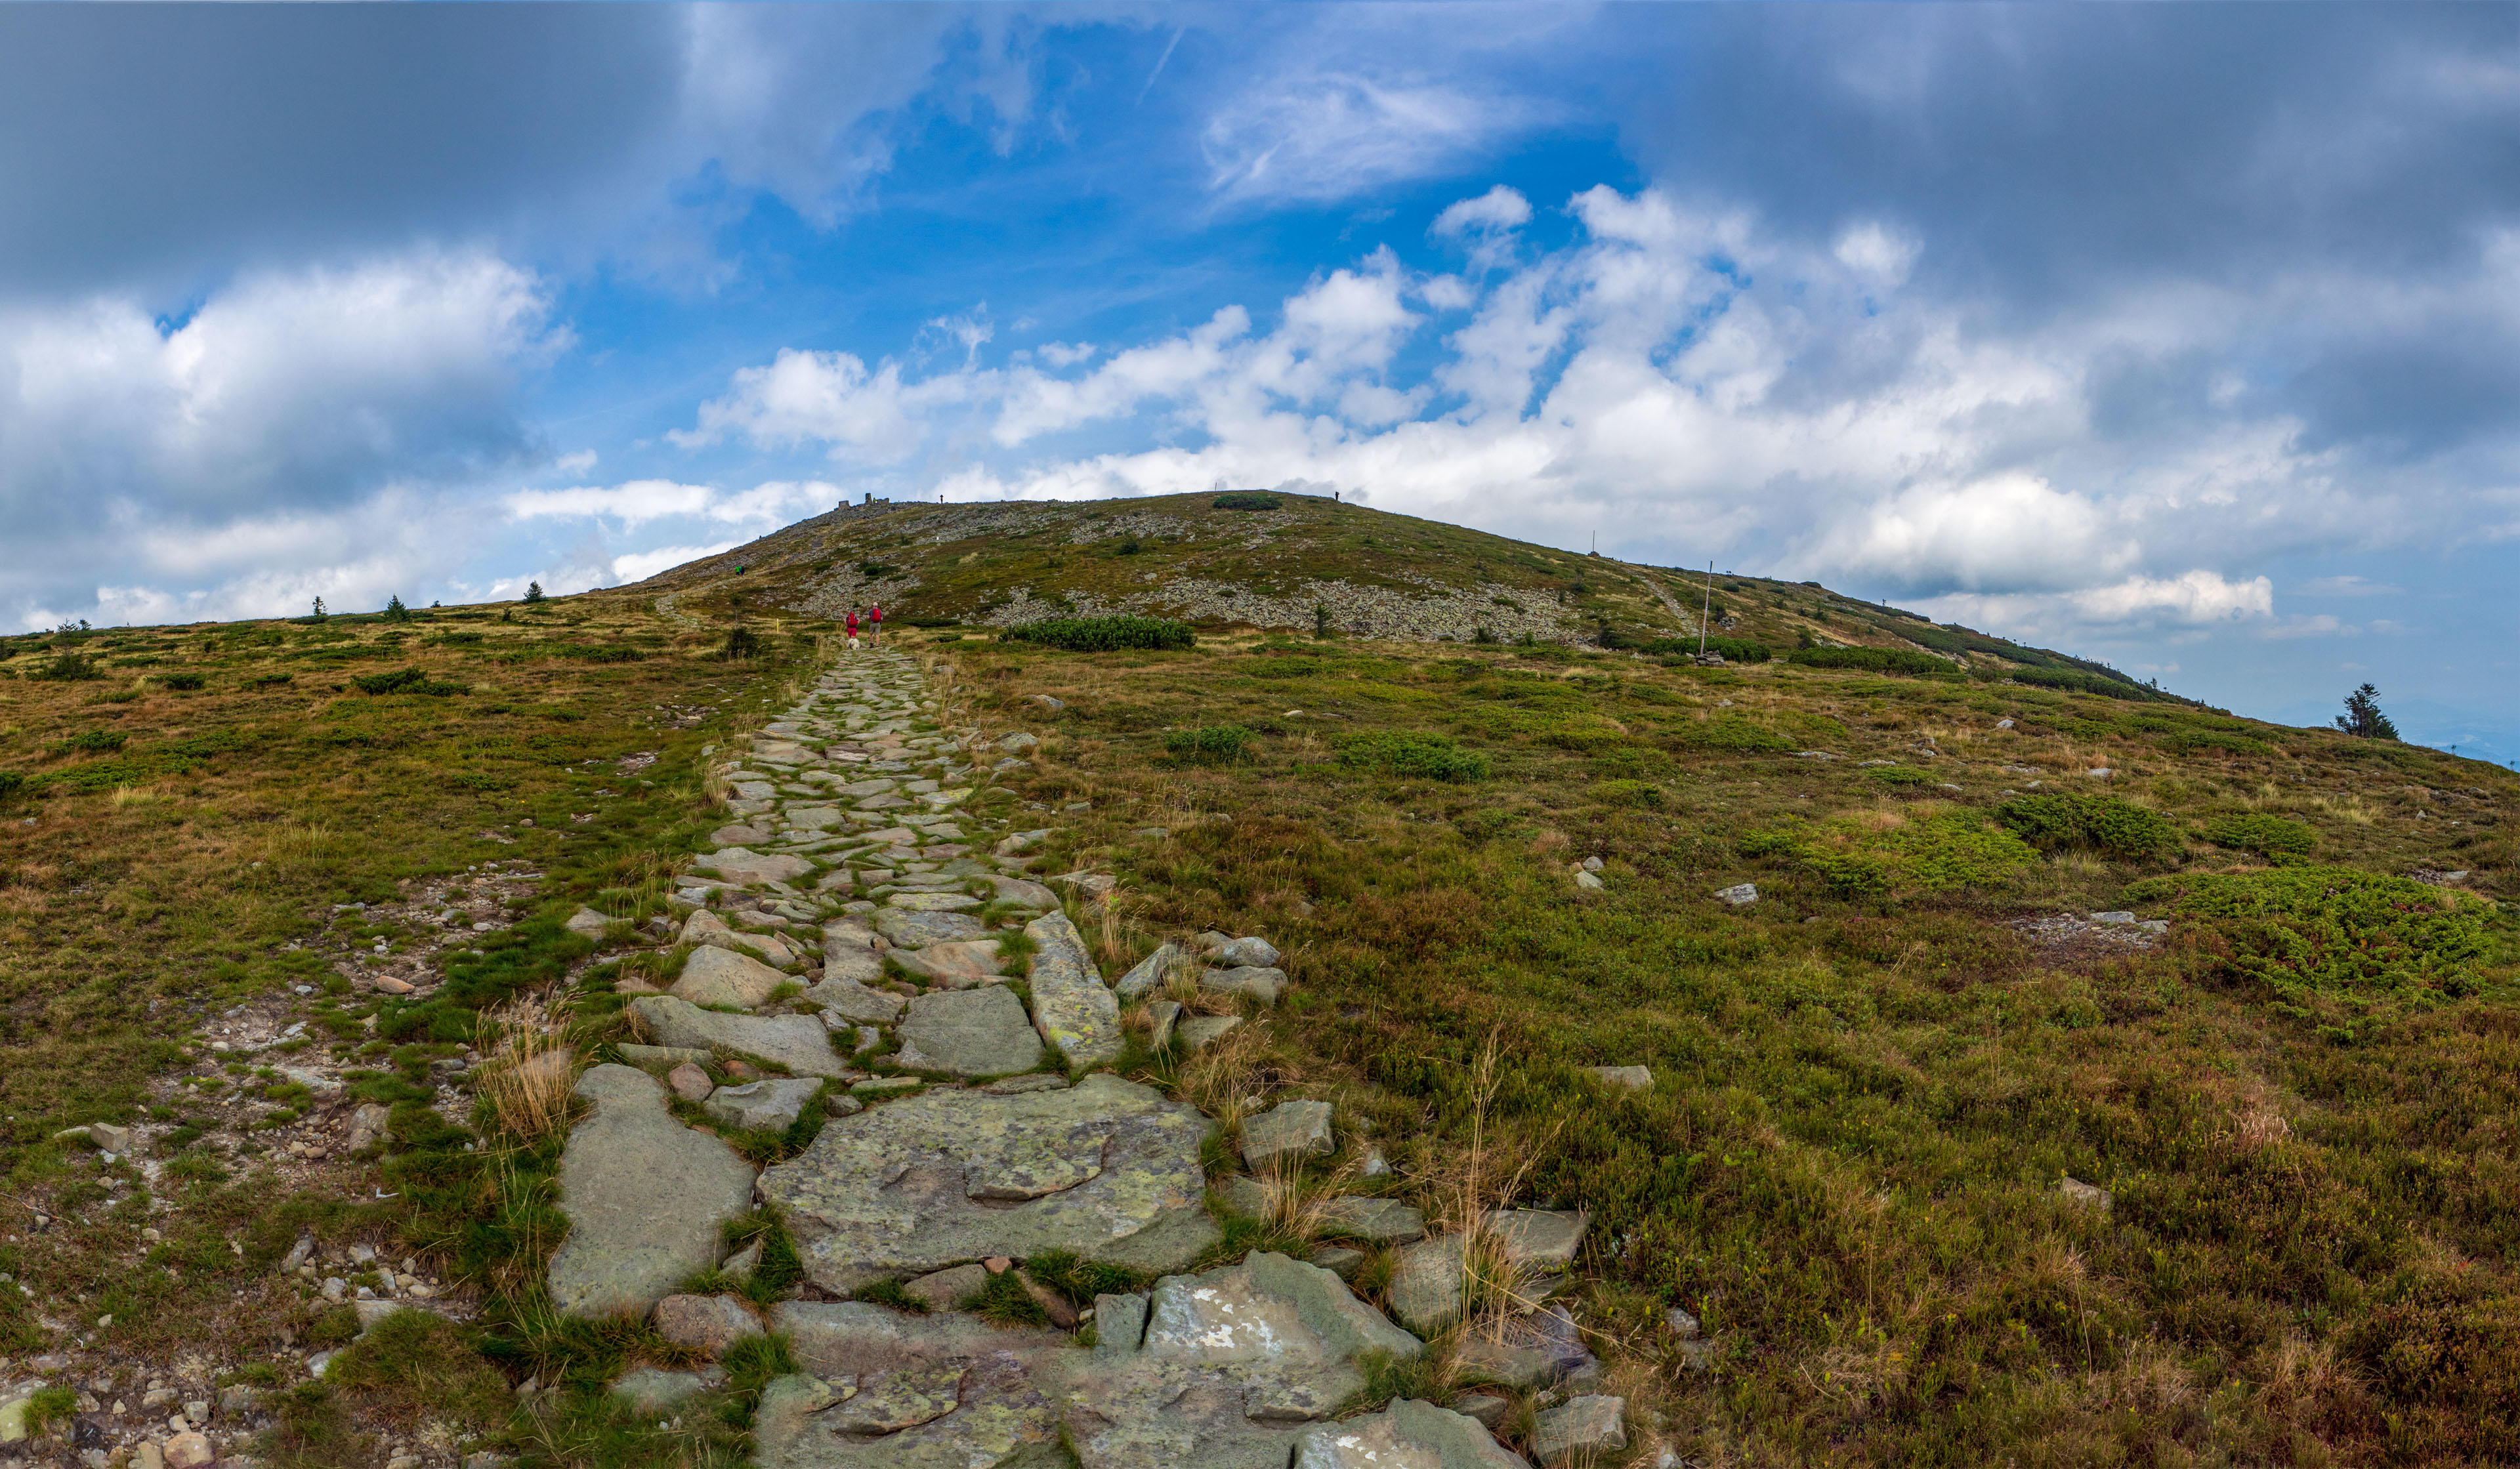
x,y
853,630
875,623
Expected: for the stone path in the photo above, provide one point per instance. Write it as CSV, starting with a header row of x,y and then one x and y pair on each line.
x,y
851,946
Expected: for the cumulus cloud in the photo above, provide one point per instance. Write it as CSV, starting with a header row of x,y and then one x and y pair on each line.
x,y
276,419
1692,382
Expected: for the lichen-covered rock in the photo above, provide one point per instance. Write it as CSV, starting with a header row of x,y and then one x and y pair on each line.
x,y
907,929
1289,1129
645,1198
1070,1006
958,965
1108,1169
713,975
770,1105
979,1032
1148,972
848,1000
799,1042
1236,1365
1410,1434
743,864
1579,1428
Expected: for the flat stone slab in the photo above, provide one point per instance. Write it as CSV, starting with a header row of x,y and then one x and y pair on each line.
x,y
1633,1078
721,976
1257,953
1147,975
1544,1239
1410,1434
705,1324
766,1107
645,1196
1261,984
1070,1006
743,865
799,1042
1197,1032
978,1032
1382,1221
941,902
1023,892
1108,1168
849,951
958,965
1235,1365
1529,1351
849,1001
908,930
881,1390
1289,1129
1426,1280
1591,1424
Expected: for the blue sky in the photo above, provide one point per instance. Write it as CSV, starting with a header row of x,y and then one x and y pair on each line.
x,y
2180,335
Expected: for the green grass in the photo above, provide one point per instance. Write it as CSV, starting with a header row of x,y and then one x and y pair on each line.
x,y
1869,1082
1105,633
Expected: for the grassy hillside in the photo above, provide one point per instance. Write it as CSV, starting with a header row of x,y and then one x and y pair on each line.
x,y
1873,1082
1871,1085
1310,564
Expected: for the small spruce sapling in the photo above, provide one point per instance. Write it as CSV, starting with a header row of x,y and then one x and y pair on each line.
x,y
533,592
2363,718
395,611
319,614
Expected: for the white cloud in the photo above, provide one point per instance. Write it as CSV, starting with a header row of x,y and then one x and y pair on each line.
x,y
1877,254
1500,208
1689,383
828,397
641,501
638,566
267,429
1331,135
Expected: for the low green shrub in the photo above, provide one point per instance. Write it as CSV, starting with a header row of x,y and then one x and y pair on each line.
x,y
1901,776
1877,661
1642,795
186,682
89,743
1399,752
2082,681
2113,828
68,668
11,784
406,681
596,652
1079,1281
2337,948
1956,850
1209,744
2271,835
1246,500
1731,733
1733,649
1095,634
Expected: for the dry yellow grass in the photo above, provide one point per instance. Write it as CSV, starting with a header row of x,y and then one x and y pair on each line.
x,y
526,1073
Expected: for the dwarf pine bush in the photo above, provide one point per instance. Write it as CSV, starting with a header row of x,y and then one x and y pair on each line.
x,y
1399,752
2106,825
1093,635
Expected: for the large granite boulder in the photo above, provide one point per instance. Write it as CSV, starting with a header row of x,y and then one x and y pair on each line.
x,y
1108,1168
645,1197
